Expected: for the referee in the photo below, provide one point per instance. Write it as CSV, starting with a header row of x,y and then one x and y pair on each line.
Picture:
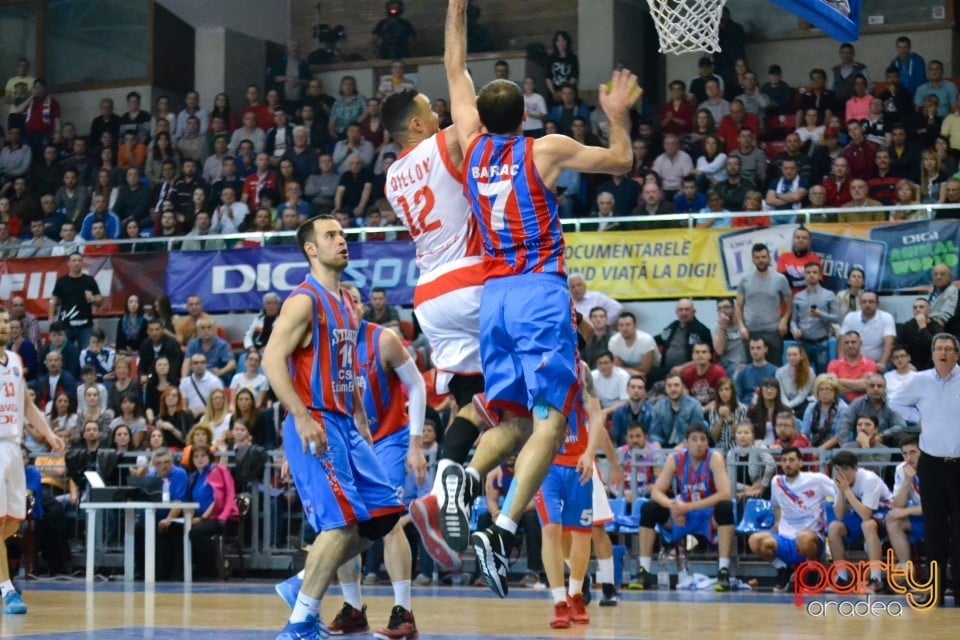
x,y
936,395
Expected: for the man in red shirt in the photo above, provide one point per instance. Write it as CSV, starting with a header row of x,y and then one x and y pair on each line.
x,y
883,187
701,377
730,126
258,182
793,264
860,153
837,184
262,113
852,368
787,436
41,118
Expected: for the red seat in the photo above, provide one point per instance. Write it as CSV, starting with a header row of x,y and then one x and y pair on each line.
x,y
406,328
774,148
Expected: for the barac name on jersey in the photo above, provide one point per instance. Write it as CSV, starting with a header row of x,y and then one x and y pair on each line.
x,y
480,173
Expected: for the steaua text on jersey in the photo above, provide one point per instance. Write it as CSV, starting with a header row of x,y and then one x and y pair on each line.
x,y
517,214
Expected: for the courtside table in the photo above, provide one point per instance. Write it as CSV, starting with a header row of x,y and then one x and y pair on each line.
x,y
150,535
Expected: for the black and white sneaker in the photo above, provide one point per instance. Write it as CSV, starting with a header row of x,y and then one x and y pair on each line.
x,y
785,579
610,595
723,580
455,507
493,560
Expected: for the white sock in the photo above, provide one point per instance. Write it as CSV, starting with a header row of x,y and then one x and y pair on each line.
x,y
559,595
779,564
476,475
576,586
506,523
437,489
305,608
351,594
645,562
724,563
401,594
5,588
302,574
875,574
843,574
605,571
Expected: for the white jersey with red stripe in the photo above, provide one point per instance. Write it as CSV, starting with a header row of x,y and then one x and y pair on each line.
x,y
425,189
12,412
801,502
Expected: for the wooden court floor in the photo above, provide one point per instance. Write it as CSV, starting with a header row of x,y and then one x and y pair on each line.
x,y
249,610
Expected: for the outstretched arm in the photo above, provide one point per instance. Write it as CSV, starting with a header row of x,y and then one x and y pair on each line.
x,y
463,100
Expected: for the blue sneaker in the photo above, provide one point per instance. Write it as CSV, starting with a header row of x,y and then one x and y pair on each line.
x,y
289,589
13,603
310,629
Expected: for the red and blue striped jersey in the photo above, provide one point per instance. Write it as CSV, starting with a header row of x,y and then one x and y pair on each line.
x,y
383,397
517,214
324,372
696,483
578,428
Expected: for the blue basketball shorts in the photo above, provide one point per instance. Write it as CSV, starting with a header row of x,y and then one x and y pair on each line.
x,y
696,523
788,552
346,485
392,454
854,524
528,343
563,500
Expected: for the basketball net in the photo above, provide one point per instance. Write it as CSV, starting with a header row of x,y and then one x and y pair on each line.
x,y
685,26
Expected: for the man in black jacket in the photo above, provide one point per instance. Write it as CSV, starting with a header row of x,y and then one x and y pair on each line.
x,y
677,339
158,345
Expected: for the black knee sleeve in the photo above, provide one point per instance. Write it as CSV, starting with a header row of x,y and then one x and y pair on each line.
x,y
376,528
723,514
652,514
459,439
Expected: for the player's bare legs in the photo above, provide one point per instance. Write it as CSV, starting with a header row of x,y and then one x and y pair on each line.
x,y
493,545
399,562
8,527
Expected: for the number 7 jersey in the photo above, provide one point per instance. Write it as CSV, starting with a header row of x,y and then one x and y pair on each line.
x,y
517,214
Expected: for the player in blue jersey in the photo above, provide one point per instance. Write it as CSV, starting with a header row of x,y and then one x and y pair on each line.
x,y
310,362
527,331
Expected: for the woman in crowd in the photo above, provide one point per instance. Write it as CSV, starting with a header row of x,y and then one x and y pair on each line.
x,y
211,486
121,439
712,163
131,327
24,348
94,411
810,132
752,202
251,378
160,380
932,177
221,109
908,201
161,151
763,414
948,163
822,418
199,436
723,413
752,469
796,379
217,417
174,420
104,187
63,418
849,299
703,125
563,66
131,416
161,111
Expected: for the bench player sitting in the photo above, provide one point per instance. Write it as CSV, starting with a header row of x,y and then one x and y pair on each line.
x,y
797,498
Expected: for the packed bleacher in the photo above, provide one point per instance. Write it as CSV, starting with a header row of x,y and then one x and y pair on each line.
x,y
787,364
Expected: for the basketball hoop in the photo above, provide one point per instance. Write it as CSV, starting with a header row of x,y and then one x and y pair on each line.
x,y
685,26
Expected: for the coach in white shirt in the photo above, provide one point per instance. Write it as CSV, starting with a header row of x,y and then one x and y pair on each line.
x,y
878,331
936,395
197,387
584,301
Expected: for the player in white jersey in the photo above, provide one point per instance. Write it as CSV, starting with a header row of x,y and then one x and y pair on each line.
x,y
862,504
16,408
424,188
905,520
797,498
